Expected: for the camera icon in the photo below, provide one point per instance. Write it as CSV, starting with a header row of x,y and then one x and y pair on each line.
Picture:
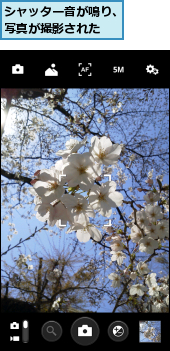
x,y
14,325
85,331
17,69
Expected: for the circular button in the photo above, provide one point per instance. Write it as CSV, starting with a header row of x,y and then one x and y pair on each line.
x,y
85,331
118,331
51,331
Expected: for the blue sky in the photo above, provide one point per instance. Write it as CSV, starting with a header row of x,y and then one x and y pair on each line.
x,y
25,227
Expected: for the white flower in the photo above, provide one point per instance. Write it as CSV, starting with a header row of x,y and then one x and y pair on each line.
x,y
116,246
9,237
50,188
148,334
57,272
116,280
115,238
159,306
77,204
30,267
59,165
142,268
99,120
80,169
46,211
164,289
163,228
160,177
133,275
103,198
72,146
132,157
55,305
153,212
52,277
109,229
138,289
115,109
126,271
103,151
167,205
43,211
136,234
144,307
151,279
119,257
76,120
154,290
85,230
149,181
37,199
148,245
167,300
151,197
152,231
142,219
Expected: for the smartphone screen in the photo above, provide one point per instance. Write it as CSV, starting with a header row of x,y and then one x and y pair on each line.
x,y
84,179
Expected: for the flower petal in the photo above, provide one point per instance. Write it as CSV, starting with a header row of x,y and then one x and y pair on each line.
x,y
83,235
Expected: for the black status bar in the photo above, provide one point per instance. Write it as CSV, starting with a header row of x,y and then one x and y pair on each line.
x,y
77,68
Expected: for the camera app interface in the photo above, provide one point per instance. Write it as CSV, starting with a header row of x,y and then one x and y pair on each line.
x,y
85,197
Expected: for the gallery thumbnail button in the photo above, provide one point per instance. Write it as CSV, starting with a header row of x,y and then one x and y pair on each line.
x,y
85,331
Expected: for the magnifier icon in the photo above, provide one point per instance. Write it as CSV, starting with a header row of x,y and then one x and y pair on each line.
x,y
52,330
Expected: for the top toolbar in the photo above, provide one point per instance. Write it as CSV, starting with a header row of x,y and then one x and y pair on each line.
x,y
78,68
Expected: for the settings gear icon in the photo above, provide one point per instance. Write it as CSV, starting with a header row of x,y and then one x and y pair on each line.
x,y
152,69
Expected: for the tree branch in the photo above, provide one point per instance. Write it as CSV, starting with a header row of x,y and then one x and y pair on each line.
x,y
20,178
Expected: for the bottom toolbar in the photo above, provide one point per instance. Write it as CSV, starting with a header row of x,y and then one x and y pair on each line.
x,y
86,331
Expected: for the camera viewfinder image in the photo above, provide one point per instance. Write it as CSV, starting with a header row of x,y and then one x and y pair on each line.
x,y
85,199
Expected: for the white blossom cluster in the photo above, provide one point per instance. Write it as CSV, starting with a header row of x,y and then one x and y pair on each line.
x,y
56,304
79,171
52,276
22,260
151,228
149,333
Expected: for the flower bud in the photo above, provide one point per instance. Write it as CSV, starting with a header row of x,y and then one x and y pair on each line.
x,y
33,181
149,182
109,230
109,238
139,189
98,179
126,271
37,173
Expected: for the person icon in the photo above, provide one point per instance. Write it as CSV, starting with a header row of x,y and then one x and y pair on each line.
x,y
51,71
